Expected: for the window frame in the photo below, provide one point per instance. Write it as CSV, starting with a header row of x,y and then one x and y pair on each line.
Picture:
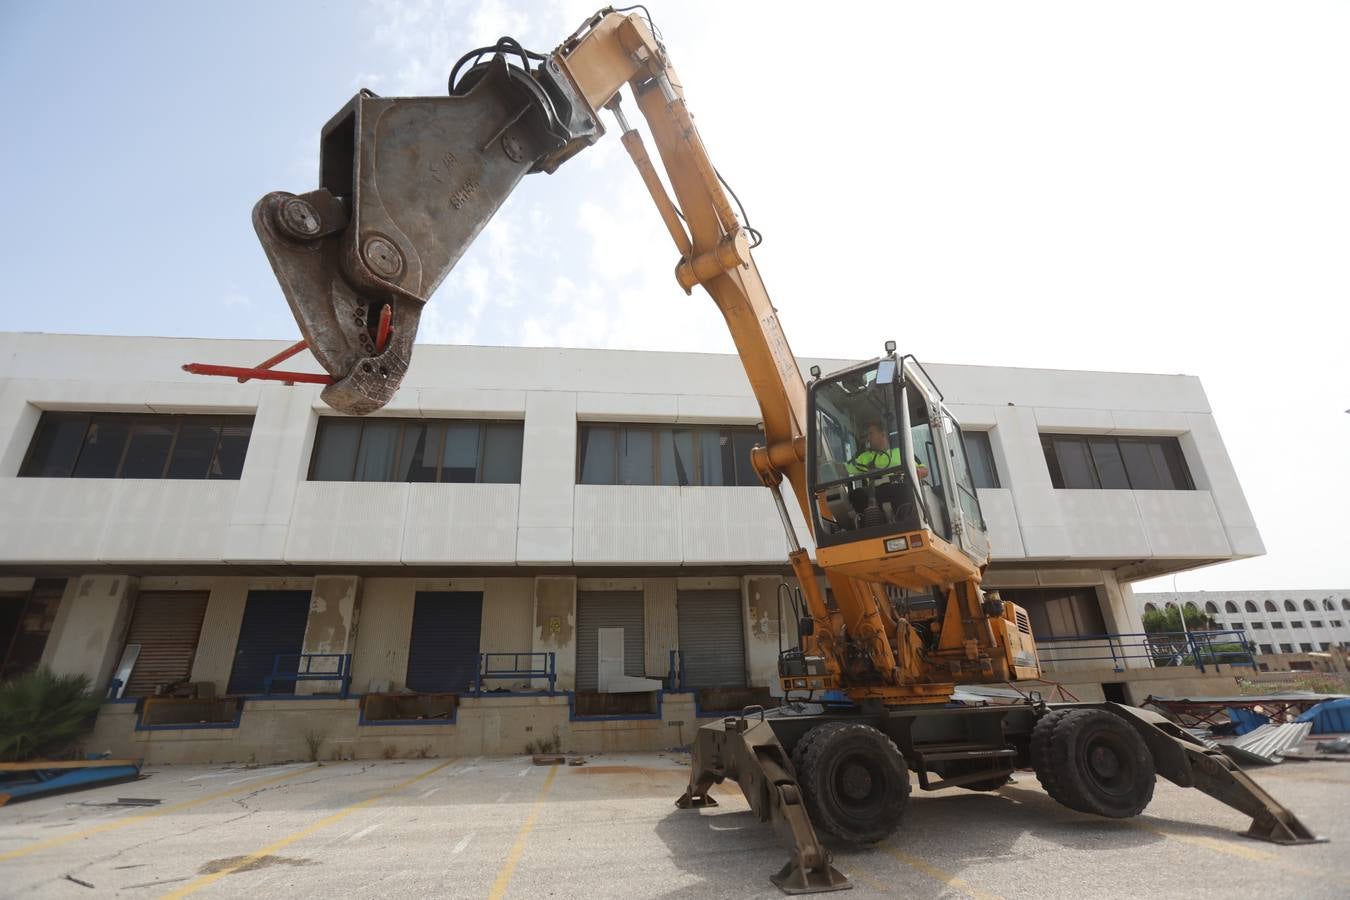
x,y
697,431
396,456
1167,444
131,421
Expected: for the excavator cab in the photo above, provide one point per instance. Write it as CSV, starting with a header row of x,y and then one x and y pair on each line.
x,y
891,489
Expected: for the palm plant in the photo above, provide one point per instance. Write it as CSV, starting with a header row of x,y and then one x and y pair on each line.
x,y
42,714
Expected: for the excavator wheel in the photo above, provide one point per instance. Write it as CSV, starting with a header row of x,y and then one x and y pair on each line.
x,y
1093,761
854,781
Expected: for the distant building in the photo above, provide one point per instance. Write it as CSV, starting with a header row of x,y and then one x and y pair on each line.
x,y
1275,621
158,528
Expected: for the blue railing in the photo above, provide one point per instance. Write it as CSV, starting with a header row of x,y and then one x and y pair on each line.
x,y
303,670
508,666
1198,649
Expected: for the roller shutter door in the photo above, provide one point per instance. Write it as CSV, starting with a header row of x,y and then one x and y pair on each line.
x,y
712,642
274,623
609,609
443,649
166,625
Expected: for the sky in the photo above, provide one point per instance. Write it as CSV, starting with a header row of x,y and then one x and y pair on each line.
x,y
1140,187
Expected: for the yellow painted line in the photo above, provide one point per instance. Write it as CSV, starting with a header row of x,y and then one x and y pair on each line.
x,y
193,886
947,878
509,867
141,817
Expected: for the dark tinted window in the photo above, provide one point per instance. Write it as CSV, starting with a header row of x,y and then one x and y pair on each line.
x,y
981,458
417,450
643,454
128,445
1088,462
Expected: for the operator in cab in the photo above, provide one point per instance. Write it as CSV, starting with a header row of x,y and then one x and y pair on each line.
x,y
880,454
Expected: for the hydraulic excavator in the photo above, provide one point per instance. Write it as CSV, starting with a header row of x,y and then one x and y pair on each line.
x,y
899,619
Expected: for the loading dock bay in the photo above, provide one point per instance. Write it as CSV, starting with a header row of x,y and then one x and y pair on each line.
x,y
502,827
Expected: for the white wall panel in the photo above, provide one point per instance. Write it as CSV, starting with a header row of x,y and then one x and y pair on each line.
x,y
469,523
730,524
1103,524
167,520
1000,518
1182,523
53,519
338,521
695,408
443,402
617,407
618,524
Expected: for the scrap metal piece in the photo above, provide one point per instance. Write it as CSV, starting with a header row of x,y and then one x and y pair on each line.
x,y
749,752
406,184
1266,745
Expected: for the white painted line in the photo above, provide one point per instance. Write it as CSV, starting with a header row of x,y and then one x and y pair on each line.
x,y
363,832
459,848
426,794
503,796
523,772
263,773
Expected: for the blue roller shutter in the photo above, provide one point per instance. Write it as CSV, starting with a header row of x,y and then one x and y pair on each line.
x,y
274,624
444,646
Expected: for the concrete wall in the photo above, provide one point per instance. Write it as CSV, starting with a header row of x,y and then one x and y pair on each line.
x,y
1319,619
87,635
273,516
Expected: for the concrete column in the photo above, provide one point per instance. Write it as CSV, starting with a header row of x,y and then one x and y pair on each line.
x,y
661,624
1120,613
547,478
381,656
762,628
87,635
334,611
508,613
555,622
220,633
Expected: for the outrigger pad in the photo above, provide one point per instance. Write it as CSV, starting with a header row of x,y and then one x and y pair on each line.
x,y
691,800
406,184
794,879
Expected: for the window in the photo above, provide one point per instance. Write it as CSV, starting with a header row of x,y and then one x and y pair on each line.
x,y
1211,608
1258,626
1315,623
1290,606
26,620
655,455
1295,624
1279,625
1230,606
1271,607
1325,646
1336,623
417,450
1306,648
1101,462
1266,648
1308,605
1286,648
981,457
1250,606
130,445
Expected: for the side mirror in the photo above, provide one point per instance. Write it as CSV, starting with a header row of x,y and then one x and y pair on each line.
x,y
806,626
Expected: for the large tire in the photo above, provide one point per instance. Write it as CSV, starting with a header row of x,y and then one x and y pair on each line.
x,y
1093,761
854,781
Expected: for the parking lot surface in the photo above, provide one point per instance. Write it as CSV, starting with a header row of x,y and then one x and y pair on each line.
x,y
502,827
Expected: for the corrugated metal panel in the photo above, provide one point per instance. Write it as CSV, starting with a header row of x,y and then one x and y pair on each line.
x,y
274,624
712,641
1268,743
167,625
444,646
608,609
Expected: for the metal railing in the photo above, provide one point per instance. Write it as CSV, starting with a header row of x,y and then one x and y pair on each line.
x,y
1180,649
304,671
675,674
494,665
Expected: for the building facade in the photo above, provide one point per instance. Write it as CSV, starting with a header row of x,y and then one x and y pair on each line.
x,y
593,508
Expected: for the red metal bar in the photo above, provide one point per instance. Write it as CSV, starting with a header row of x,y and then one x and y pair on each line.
x,y
382,333
244,373
280,357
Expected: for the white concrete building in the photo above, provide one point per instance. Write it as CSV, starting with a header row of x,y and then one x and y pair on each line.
x,y
1277,622
511,501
